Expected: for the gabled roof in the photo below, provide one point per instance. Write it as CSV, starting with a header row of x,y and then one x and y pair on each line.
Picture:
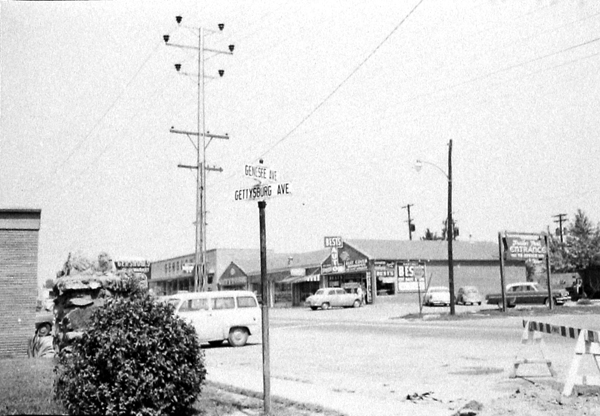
x,y
426,249
286,261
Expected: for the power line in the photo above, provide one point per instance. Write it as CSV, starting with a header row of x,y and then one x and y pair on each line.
x,y
343,81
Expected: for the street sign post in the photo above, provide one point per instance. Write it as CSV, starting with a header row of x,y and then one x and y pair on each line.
x,y
267,187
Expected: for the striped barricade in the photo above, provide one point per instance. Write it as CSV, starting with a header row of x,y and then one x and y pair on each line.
x,y
588,342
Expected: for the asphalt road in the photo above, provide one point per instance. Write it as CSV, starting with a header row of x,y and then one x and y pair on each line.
x,y
358,361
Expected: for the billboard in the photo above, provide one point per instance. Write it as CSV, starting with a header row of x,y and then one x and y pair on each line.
x,y
522,246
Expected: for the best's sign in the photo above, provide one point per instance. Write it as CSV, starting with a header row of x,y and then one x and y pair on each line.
x,y
524,246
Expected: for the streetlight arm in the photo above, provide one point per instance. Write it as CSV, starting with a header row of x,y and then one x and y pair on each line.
x,y
420,163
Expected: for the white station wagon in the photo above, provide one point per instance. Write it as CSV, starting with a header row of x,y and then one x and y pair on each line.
x,y
218,316
331,297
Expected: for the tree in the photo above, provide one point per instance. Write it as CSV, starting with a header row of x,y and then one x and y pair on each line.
x,y
429,235
581,248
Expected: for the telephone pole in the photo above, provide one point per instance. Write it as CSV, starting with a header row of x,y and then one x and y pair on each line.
x,y
200,275
561,218
411,227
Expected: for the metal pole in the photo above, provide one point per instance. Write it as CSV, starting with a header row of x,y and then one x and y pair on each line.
x,y
202,159
450,231
265,309
502,288
550,298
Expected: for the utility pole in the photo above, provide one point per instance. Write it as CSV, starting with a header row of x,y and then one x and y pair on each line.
x,y
200,275
411,227
561,218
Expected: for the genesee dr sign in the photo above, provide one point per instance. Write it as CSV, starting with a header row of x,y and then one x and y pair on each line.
x,y
524,246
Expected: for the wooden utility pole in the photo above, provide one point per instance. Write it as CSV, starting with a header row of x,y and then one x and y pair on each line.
x,y
265,309
410,225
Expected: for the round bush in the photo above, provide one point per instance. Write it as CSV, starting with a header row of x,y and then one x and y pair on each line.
x,y
135,357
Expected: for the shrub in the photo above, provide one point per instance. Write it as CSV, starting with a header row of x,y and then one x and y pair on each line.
x,y
135,357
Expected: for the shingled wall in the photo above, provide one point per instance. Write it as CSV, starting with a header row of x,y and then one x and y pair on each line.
x,y
19,229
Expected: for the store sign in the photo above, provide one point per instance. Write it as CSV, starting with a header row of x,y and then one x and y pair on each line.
x,y
524,246
136,266
297,272
333,242
411,277
187,267
328,269
356,265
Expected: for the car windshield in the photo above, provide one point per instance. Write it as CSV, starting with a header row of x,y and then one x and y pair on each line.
x,y
320,292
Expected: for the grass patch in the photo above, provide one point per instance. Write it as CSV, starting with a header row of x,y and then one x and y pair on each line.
x,y
26,389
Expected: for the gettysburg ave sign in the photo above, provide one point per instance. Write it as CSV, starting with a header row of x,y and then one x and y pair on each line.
x,y
524,246
262,192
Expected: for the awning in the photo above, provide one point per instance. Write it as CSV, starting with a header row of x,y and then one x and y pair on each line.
x,y
315,277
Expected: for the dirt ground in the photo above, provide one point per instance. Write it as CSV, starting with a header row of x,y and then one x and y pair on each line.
x,y
537,399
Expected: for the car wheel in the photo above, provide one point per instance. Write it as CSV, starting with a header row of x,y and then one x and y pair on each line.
x,y
238,337
325,306
314,308
356,303
547,302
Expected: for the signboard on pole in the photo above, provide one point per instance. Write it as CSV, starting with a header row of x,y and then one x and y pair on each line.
x,y
334,242
263,191
522,247
261,173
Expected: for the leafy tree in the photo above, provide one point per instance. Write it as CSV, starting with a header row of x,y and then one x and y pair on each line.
x,y
429,235
581,248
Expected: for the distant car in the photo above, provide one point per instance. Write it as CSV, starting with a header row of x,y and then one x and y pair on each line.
x,y
332,297
469,295
437,295
527,293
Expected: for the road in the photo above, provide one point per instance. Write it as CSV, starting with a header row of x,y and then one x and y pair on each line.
x,y
357,360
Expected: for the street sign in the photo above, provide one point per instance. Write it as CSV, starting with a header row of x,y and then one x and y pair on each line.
x,y
263,191
261,173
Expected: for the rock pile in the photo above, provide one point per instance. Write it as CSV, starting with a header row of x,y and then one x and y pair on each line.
x,y
83,286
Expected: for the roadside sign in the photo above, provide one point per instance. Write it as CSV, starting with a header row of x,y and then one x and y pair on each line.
x,y
261,173
521,246
263,191
334,242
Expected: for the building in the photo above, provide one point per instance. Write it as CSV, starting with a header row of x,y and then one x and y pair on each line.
x,y
177,273
390,267
19,234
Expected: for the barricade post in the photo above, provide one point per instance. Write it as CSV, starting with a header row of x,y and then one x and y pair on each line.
x,y
588,342
531,337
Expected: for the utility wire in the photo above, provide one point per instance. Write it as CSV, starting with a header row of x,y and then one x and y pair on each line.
x,y
343,82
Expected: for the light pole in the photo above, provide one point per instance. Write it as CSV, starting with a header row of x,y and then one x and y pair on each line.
x,y
450,225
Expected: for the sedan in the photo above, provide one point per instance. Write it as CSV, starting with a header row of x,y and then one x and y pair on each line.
x,y
437,295
329,297
469,295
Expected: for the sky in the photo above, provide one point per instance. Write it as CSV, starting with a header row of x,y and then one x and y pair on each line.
x,y
340,97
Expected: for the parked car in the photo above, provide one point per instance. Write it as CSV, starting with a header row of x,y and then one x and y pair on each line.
x,y
469,295
527,293
332,297
437,295
219,316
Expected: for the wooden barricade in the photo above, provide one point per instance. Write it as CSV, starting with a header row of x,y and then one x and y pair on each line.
x,y
588,342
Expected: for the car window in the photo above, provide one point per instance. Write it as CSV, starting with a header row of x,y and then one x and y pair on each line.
x,y
223,303
331,292
340,291
194,305
320,292
246,302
